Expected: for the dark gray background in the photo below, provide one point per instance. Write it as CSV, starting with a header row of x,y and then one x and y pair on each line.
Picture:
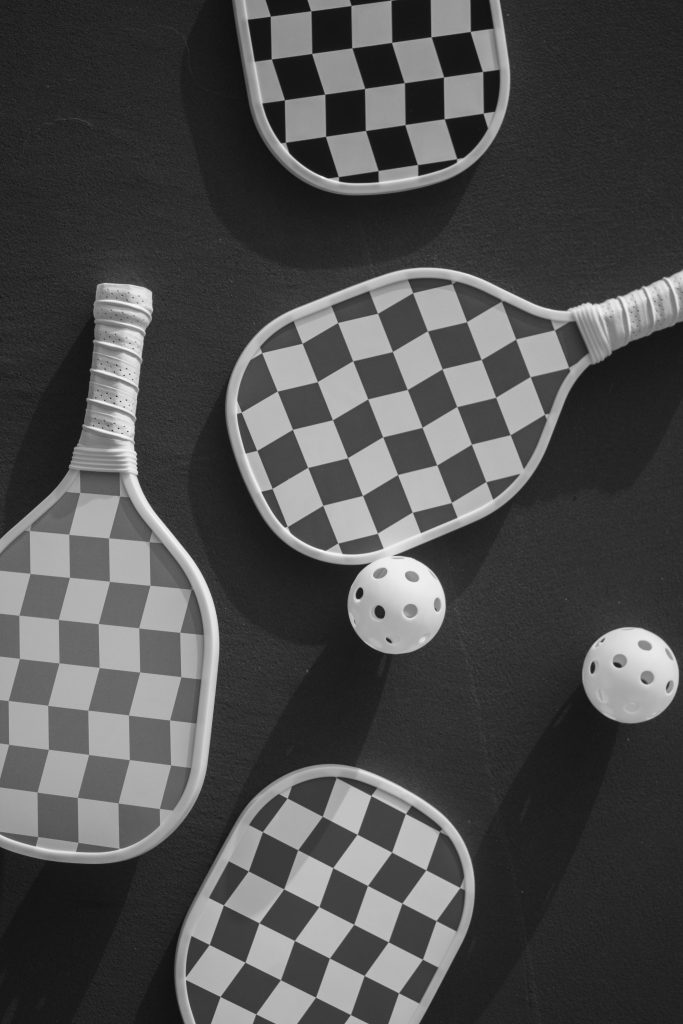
x,y
128,154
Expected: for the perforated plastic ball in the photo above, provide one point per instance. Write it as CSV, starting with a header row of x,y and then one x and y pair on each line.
x,y
396,604
630,675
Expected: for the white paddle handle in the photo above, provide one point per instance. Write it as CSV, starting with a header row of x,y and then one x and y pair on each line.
x,y
122,315
609,325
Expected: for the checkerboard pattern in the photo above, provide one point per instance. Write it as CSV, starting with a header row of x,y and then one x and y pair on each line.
x,y
337,906
375,90
369,422
101,644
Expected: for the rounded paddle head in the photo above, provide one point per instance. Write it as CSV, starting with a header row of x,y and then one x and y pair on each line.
x,y
337,896
107,668
378,96
377,418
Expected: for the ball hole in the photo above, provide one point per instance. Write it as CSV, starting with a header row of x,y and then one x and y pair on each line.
x,y
670,686
645,645
592,667
388,639
647,677
619,660
379,574
631,707
669,654
601,697
412,576
358,594
437,604
410,611
353,621
602,639
378,611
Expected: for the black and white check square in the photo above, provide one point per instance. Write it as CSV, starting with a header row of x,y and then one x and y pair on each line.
x,y
101,643
339,903
371,421
362,91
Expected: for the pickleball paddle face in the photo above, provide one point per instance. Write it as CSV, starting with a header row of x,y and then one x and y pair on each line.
x,y
107,641
390,413
337,897
383,416
377,96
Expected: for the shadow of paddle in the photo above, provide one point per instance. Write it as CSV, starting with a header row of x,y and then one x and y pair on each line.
x,y
160,1003
328,716
52,947
525,853
45,451
614,421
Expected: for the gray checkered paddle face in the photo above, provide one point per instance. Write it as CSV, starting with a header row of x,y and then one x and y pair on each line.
x,y
363,425
339,903
374,95
101,644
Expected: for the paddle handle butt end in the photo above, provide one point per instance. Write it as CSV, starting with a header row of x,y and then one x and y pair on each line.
x,y
610,325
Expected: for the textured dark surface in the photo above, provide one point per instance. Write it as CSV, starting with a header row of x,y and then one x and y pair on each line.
x,y
128,153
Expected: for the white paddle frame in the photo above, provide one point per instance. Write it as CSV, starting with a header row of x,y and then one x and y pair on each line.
x,y
349,188
279,786
207,689
450,276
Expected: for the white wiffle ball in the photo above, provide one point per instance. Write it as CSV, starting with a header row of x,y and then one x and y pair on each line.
x,y
396,604
630,675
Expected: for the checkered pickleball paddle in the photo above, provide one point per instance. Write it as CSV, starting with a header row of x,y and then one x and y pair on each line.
x,y
375,95
377,418
337,899
107,644
101,651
